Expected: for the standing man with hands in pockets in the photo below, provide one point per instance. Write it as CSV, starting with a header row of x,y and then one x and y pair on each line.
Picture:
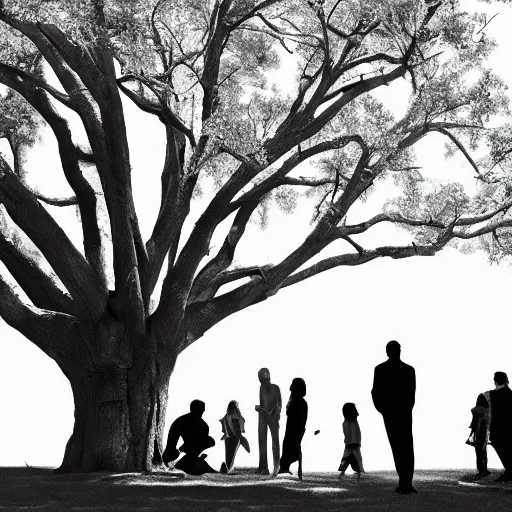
x,y
393,393
269,412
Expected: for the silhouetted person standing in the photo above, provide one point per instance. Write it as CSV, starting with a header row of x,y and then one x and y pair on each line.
x,y
393,393
501,422
269,412
297,415
194,431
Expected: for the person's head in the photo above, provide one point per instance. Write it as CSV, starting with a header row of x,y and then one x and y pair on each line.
x,y
264,376
500,379
393,349
350,412
197,407
233,407
298,387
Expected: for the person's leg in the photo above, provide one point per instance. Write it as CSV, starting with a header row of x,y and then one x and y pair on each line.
x,y
262,443
232,444
343,466
274,432
356,467
284,463
481,459
399,430
408,448
502,449
392,430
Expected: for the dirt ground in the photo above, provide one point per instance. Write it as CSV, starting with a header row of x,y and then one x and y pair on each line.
x,y
27,489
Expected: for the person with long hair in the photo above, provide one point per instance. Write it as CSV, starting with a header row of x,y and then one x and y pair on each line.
x,y
297,415
233,427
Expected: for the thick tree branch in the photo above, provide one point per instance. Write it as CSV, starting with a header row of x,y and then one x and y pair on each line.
x,y
280,176
174,207
94,67
225,256
27,78
38,286
68,154
56,334
73,270
160,109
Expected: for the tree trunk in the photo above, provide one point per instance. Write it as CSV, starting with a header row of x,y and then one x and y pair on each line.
x,y
119,414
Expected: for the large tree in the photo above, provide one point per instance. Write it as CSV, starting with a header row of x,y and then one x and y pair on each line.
x,y
200,67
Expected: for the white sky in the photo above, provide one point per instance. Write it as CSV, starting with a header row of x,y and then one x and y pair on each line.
x,y
448,313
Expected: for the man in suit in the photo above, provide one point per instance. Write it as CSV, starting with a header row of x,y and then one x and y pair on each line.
x,y
501,423
393,393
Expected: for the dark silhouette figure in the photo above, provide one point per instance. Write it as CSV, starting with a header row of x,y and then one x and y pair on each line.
x,y
269,412
194,431
480,433
352,453
297,415
233,427
501,422
393,393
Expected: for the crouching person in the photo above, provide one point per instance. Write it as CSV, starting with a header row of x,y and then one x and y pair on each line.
x,y
194,431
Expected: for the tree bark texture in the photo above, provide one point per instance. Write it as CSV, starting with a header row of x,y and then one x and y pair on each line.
x,y
119,414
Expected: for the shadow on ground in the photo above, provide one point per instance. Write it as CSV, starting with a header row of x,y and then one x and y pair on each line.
x,y
26,489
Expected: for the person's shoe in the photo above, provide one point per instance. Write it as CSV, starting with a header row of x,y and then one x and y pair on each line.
x,y
223,469
505,477
485,473
264,472
406,490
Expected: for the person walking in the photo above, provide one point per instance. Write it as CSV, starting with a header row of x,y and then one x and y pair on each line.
x,y
352,453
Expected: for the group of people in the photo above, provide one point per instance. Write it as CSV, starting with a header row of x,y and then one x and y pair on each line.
x,y
393,394
492,424
194,431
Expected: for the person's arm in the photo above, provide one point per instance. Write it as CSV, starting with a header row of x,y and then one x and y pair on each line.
x,y
413,388
279,403
259,407
170,452
376,391
304,414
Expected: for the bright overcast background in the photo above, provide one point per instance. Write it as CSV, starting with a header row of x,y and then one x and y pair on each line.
x,y
448,312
